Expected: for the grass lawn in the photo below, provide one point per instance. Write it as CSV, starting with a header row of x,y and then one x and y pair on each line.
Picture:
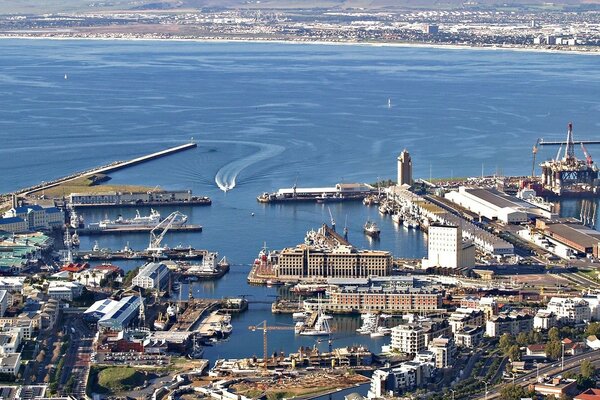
x,y
116,379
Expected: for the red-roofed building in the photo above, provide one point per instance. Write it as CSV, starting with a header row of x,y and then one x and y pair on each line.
x,y
590,394
74,267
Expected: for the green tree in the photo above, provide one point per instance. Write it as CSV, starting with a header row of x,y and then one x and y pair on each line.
x,y
512,392
522,339
505,342
553,349
514,353
592,329
587,369
534,337
553,334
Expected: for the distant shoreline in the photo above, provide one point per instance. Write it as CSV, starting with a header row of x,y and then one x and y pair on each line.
x,y
312,42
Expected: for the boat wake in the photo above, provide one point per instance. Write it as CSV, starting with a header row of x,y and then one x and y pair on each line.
x,y
227,175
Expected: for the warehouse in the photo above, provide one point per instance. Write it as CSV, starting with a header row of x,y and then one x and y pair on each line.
x,y
495,206
580,238
113,314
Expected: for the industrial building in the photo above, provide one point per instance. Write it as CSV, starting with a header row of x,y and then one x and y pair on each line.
x,y
496,206
581,239
113,314
31,218
447,249
404,169
153,275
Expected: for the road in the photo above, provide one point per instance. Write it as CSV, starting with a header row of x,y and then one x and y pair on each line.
x,y
77,359
571,363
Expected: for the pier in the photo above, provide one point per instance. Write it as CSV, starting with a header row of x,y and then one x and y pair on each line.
x,y
117,165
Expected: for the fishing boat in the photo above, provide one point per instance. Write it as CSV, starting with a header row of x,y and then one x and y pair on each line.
x,y
161,322
308,289
371,229
369,324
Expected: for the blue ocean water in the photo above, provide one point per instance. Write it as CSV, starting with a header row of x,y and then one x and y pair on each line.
x,y
267,115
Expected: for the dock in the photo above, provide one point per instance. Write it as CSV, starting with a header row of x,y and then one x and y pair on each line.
x,y
115,166
192,314
136,229
107,254
206,328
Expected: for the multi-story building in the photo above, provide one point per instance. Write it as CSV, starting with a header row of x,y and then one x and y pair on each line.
x,y
408,338
512,323
469,336
446,248
570,310
153,275
10,363
443,349
384,299
325,254
544,320
37,217
488,305
464,317
67,291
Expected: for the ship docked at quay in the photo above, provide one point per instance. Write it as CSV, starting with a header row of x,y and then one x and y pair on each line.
x,y
337,193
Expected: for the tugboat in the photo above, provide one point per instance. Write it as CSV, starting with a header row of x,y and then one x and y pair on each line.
x,y
372,229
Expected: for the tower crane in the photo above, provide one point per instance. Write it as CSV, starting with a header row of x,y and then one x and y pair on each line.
x,y
265,328
163,227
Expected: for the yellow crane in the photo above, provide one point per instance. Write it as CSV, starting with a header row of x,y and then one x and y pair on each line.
x,y
265,328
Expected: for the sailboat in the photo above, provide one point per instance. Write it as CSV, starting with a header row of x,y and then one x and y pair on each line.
x,y
66,77
389,103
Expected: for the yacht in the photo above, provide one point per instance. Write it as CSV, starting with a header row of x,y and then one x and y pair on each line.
x,y
321,327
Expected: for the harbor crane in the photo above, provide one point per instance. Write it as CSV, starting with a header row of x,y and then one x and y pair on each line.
x,y
534,151
265,328
163,227
588,157
332,220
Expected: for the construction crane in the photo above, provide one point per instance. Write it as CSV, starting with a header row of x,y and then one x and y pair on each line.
x,y
265,328
534,151
588,157
163,227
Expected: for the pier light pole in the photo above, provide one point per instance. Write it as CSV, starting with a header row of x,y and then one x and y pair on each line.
x,y
452,390
486,388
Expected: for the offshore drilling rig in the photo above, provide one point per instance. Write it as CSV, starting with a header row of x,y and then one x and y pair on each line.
x,y
569,175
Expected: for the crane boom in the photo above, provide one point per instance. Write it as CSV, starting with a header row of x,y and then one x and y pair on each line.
x,y
163,227
588,157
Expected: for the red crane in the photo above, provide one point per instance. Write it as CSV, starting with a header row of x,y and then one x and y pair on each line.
x,y
588,157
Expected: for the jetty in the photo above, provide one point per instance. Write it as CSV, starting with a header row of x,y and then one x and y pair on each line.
x,y
115,166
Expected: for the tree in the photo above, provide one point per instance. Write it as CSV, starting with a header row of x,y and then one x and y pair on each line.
x,y
522,339
587,369
553,349
553,334
534,337
512,392
592,329
514,353
505,342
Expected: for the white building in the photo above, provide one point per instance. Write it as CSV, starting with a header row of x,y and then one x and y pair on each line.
x,y
13,225
410,375
544,320
492,204
570,310
408,338
446,248
60,290
469,336
10,340
153,275
378,386
10,363
37,217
